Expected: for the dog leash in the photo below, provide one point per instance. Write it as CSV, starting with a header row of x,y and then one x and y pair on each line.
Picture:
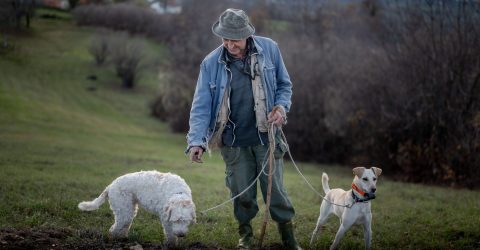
x,y
263,172
305,179
264,164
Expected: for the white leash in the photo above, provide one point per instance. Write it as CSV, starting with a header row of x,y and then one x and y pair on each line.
x,y
305,179
245,190
263,172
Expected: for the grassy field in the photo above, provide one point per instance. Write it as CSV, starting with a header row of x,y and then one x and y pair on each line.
x,y
63,138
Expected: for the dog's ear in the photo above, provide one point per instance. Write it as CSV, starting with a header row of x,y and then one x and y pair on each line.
x,y
358,171
377,171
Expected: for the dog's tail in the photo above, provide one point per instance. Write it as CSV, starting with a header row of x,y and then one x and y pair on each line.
x,y
95,204
325,186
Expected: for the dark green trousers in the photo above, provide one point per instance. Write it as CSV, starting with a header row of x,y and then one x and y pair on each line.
x,y
243,164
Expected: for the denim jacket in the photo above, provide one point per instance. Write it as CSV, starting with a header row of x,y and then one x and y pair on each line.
x,y
214,77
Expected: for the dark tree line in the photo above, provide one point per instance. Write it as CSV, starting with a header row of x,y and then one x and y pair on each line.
x,y
14,15
400,89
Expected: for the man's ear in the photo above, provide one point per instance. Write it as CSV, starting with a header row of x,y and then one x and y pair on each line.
x,y
358,171
377,171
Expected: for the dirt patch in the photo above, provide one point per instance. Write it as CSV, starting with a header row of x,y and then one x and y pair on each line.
x,y
55,239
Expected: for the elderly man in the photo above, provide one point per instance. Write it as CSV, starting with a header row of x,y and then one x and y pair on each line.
x,y
243,86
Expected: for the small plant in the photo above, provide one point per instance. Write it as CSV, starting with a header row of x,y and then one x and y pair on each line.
x,y
100,47
127,55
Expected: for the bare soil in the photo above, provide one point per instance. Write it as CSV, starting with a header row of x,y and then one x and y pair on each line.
x,y
69,239
55,239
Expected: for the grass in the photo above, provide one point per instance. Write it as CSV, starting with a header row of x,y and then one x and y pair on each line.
x,y
61,143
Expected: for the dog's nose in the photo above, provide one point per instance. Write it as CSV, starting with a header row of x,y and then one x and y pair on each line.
x,y
373,190
181,235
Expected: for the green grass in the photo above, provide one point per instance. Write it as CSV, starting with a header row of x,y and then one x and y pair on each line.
x,y
61,144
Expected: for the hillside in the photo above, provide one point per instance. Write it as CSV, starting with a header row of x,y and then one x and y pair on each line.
x,y
65,136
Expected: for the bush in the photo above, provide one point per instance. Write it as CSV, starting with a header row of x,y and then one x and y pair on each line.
x,y
405,97
420,123
12,12
375,83
100,46
127,55
126,17
188,47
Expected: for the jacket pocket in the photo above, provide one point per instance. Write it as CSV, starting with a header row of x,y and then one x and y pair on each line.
x,y
270,76
230,155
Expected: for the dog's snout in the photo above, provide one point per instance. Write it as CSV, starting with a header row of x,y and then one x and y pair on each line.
x,y
181,235
373,190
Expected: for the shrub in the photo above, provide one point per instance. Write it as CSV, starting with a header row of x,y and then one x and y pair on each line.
x,y
12,12
188,46
404,97
127,55
126,17
100,46
421,121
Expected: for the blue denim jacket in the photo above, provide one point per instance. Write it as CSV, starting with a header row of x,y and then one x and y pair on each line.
x,y
214,77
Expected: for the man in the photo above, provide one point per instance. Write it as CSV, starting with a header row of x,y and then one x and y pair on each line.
x,y
239,83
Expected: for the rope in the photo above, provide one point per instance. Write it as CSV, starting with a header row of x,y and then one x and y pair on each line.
x,y
269,151
245,190
305,179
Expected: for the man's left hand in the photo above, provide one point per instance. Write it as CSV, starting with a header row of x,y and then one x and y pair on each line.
x,y
276,118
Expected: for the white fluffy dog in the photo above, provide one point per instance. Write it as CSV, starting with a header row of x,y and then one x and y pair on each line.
x,y
164,194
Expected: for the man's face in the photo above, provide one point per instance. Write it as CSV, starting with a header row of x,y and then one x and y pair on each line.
x,y
235,47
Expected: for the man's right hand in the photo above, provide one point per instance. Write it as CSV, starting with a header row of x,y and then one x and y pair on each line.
x,y
195,154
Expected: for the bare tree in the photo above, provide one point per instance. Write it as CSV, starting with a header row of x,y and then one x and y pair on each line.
x,y
428,102
100,46
127,54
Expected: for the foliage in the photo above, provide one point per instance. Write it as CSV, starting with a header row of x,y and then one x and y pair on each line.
x,y
393,84
186,50
429,98
13,11
404,97
100,46
11,14
126,17
127,54
73,3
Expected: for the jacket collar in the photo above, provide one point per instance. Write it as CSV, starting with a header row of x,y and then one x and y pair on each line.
x,y
252,48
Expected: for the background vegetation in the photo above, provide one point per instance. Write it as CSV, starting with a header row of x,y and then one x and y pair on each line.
x,y
389,83
68,127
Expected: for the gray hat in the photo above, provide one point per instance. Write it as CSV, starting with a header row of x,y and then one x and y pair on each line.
x,y
233,24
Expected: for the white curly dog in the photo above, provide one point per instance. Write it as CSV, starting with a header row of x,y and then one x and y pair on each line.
x,y
164,194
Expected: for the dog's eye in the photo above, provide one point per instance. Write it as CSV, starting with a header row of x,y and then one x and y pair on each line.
x,y
374,179
365,179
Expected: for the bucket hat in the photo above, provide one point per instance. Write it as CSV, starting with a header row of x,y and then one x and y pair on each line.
x,y
233,24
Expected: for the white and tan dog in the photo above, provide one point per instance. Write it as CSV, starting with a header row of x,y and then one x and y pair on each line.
x,y
164,194
352,206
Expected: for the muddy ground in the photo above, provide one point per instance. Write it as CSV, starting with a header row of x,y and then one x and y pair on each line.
x,y
70,239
